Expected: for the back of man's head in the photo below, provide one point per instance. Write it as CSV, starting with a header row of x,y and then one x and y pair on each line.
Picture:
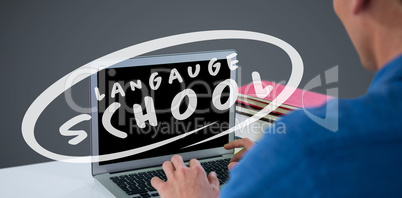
x,y
375,28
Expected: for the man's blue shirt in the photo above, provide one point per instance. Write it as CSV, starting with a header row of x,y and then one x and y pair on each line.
x,y
362,158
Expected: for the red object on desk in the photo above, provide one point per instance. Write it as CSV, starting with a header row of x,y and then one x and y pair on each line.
x,y
299,99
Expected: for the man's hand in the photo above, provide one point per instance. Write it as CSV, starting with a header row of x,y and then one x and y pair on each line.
x,y
183,181
245,142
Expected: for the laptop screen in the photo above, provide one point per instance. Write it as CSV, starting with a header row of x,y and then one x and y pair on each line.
x,y
147,110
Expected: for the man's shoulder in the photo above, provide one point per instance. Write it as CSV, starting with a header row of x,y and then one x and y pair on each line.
x,y
348,120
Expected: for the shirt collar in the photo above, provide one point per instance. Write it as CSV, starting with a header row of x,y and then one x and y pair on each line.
x,y
389,73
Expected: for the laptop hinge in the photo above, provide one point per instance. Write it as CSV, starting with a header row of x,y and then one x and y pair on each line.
x,y
205,158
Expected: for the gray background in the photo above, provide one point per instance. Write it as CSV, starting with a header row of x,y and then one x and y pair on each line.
x,y
41,41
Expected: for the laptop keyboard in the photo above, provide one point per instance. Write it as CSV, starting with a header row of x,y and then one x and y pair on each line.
x,y
139,184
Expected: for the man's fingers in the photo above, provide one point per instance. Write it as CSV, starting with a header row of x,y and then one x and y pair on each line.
x,y
213,180
231,165
177,161
194,162
168,168
245,142
157,183
238,156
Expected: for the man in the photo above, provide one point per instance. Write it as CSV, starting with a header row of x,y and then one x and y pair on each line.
x,y
363,158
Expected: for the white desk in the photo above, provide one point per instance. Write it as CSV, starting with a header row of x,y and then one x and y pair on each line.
x,y
51,179
62,180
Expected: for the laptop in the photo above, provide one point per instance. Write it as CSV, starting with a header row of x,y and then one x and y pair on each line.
x,y
141,106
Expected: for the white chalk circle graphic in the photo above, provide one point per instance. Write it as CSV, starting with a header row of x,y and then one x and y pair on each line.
x,y
59,87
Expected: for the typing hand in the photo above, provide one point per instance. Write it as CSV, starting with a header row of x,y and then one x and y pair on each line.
x,y
245,142
183,181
